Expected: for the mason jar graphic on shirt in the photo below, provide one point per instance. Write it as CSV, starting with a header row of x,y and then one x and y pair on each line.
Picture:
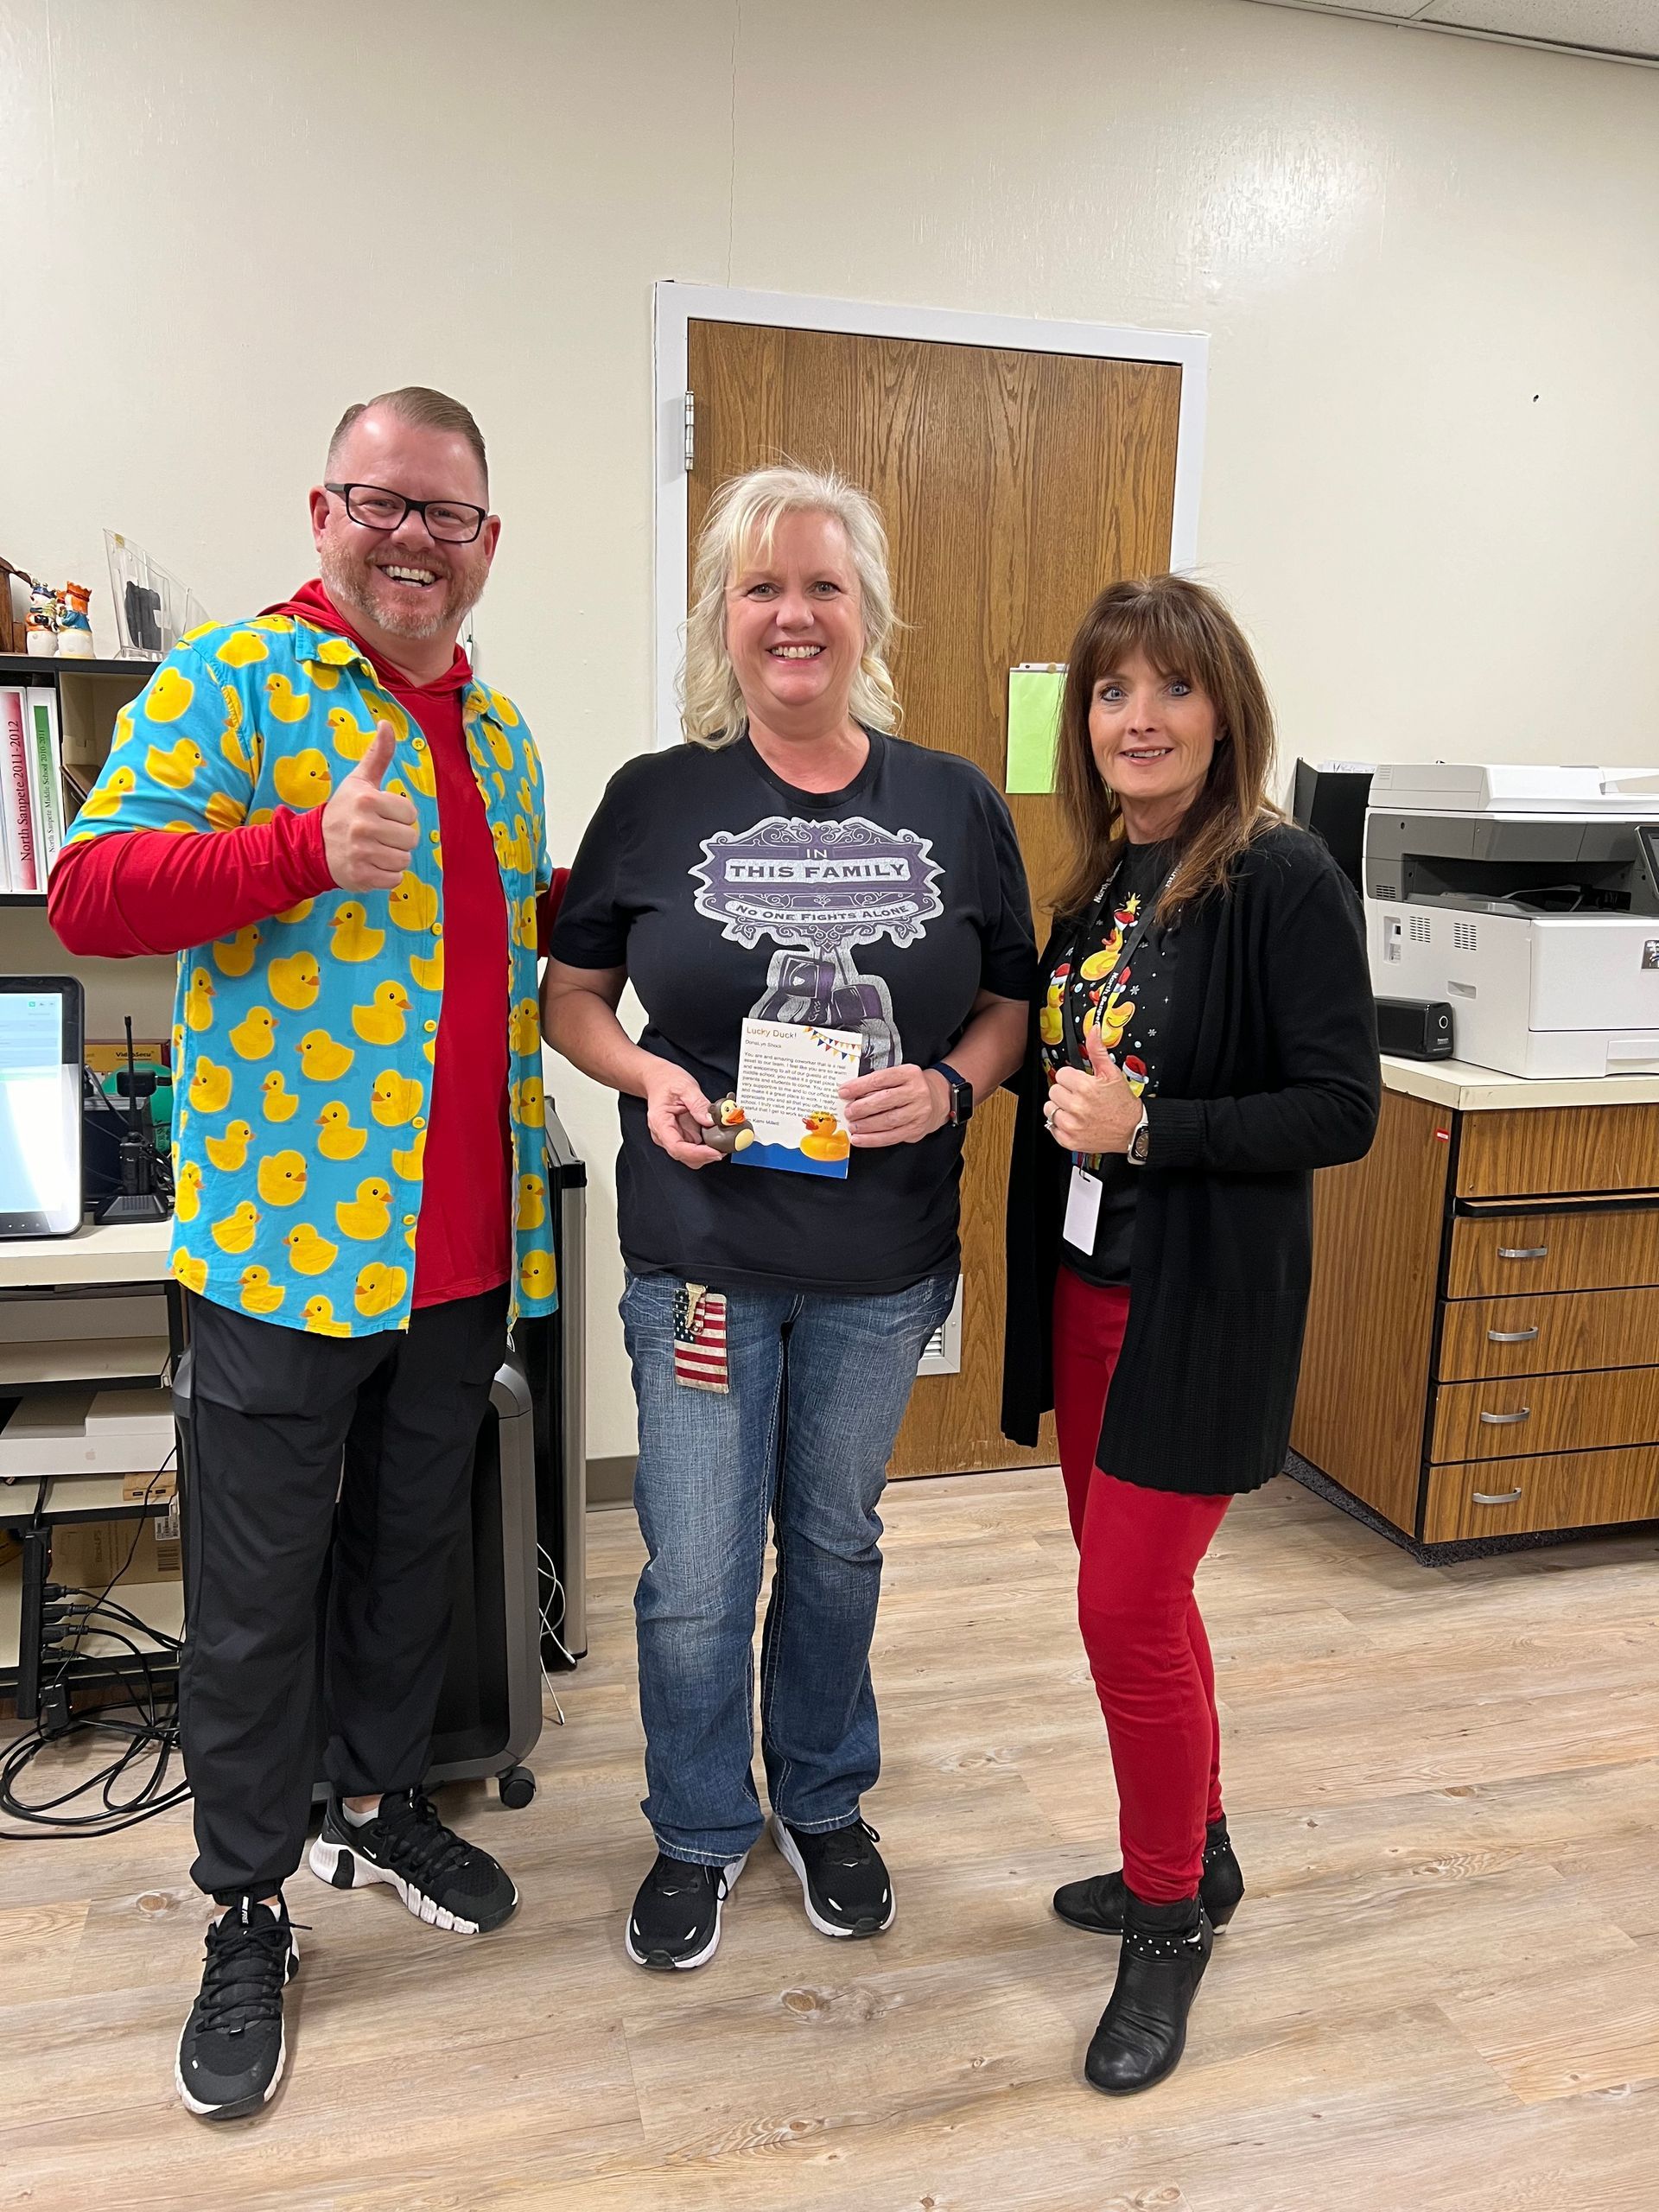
x,y
818,890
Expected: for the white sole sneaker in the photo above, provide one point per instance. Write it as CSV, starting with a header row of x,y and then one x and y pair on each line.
x,y
241,2108
732,1869
791,1852
342,1868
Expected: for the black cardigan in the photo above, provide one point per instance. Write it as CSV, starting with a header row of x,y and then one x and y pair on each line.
x,y
1270,1071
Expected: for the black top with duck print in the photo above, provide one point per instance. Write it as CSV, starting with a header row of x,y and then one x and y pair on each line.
x,y
1130,1008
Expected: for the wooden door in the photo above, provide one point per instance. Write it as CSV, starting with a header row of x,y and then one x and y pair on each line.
x,y
1014,486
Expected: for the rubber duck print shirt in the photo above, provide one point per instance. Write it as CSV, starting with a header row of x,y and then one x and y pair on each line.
x,y
303,1047
1128,1006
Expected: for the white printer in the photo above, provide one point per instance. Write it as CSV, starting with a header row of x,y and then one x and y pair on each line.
x,y
1528,899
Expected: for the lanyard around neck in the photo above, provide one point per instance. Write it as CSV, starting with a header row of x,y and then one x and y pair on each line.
x,y
1070,1025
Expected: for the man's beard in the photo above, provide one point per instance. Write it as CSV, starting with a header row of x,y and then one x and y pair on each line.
x,y
348,584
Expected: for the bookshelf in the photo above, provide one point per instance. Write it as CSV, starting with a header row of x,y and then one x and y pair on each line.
x,y
90,695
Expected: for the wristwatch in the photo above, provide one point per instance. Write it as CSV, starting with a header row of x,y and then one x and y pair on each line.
x,y
961,1090
1140,1141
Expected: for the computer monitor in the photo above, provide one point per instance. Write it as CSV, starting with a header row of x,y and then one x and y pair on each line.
x,y
41,1024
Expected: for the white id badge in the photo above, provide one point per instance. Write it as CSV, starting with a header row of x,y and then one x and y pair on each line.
x,y
1082,1211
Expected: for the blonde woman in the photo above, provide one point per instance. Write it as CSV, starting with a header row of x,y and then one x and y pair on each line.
x,y
793,861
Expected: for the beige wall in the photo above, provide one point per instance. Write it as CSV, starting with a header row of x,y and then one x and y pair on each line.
x,y
1430,270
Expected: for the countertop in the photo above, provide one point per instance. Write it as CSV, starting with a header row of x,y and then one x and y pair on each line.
x,y
1471,1090
127,1251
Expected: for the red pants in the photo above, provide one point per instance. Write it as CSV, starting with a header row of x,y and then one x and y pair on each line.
x,y
1148,1651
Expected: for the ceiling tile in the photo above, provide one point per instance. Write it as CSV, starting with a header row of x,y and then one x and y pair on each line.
x,y
1606,26
1393,10
1628,29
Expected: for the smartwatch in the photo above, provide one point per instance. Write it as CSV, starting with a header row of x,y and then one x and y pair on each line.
x,y
1140,1141
961,1090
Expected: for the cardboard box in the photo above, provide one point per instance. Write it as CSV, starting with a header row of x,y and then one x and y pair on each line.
x,y
109,1056
89,1555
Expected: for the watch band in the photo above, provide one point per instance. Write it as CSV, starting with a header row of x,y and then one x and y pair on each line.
x,y
961,1090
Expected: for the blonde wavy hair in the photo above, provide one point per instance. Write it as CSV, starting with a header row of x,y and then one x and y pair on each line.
x,y
745,513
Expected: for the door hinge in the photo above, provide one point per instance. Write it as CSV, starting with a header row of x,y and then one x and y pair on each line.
x,y
690,431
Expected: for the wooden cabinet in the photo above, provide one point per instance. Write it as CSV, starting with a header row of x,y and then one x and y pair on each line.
x,y
1481,1356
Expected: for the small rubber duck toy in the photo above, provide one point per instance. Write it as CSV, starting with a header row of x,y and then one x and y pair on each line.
x,y
825,1139
729,1131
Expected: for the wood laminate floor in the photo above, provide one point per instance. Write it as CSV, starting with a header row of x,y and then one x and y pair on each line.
x,y
1441,1993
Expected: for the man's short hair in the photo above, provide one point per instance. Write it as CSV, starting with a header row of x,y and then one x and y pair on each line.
x,y
418,403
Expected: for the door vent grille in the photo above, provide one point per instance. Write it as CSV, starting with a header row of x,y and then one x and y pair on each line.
x,y
1421,930
1464,937
942,1354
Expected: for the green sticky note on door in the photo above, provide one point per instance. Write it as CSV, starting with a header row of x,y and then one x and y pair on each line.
x,y
1033,727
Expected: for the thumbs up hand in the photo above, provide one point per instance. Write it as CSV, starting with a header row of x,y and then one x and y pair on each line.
x,y
1095,1112
368,834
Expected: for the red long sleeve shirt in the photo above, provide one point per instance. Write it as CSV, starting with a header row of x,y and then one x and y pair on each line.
x,y
152,892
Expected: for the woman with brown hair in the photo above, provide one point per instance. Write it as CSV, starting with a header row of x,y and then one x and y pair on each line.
x,y
1203,1037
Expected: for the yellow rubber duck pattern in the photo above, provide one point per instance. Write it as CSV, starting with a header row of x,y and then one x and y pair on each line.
x,y
303,1044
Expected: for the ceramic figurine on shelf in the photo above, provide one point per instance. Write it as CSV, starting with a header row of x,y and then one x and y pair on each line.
x,y
74,628
41,636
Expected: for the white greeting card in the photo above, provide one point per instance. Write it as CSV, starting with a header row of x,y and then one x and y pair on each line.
x,y
789,1079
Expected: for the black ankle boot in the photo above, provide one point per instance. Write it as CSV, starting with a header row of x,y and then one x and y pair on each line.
x,y
1143,2032
1096,1902
1222,1887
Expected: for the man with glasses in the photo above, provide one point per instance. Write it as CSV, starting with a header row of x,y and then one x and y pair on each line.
x,y
354,901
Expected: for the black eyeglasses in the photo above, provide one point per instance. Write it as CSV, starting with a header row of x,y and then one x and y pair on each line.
x,y
375,508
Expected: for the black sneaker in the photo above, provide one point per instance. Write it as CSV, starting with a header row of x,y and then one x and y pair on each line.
x,y
1096,1902
233,2050
442,1879
675,1923
845,1884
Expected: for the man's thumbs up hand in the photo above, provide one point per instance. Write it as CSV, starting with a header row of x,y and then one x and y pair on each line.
x,y
368,834
375,762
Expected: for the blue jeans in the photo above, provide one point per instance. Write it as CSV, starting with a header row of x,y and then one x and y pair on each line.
x,y
818,1388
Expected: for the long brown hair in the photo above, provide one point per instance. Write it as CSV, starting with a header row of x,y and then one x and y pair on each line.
x,y
1184,629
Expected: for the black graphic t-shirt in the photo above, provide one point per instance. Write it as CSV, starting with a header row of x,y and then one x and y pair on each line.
x,y
885,907
1129,1006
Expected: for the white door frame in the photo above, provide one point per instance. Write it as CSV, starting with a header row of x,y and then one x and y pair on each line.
x,y
678,305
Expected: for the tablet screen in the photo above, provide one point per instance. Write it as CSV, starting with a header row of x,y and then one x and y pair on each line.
x,y
40,1105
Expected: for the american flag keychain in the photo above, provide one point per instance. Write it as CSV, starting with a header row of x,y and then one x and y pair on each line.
x,y
699,1361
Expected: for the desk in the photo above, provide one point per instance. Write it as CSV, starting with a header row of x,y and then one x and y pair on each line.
x,y
1482,1358
116,1252
46,1286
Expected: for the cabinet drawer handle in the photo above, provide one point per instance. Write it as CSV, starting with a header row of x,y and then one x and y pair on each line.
x,y
1507,1421
1496,1496
1510,1336
1523,1251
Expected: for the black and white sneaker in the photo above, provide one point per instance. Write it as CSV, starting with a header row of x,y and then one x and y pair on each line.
x,y
843,1880
442,1879
675,1923
233,2050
